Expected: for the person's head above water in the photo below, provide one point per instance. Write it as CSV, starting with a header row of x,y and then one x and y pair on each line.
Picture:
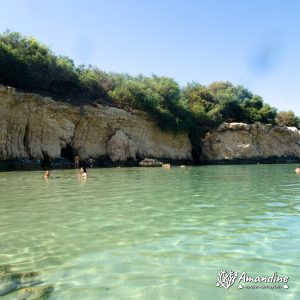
x,y
84,169
47,174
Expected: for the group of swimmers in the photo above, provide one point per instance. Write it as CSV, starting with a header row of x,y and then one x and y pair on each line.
x,y
90,161
82,174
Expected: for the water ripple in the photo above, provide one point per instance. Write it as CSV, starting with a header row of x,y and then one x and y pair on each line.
x,y
149,234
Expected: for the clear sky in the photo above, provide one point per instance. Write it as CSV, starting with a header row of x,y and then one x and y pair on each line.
x,y
255,43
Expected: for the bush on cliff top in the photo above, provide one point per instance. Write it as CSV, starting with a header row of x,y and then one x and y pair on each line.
x,y
287,118
29,65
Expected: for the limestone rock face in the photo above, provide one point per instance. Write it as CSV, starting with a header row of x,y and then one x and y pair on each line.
x,y
121,147
32,126
231,141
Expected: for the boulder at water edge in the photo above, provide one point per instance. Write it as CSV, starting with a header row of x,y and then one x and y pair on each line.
x,y
150,162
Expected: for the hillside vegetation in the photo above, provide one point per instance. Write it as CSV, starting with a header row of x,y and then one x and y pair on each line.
x,y
29,65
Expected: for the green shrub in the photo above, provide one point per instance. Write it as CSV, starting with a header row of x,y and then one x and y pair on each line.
x,y
287,118
29,65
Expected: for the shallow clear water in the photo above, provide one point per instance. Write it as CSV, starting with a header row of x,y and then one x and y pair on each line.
x,y
153,233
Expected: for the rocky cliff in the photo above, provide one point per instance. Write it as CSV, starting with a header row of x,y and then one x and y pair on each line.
x,y
36,127
243,142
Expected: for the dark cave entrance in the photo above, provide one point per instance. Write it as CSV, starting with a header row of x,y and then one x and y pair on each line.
x,y
196,153
46,162
67,152
196,148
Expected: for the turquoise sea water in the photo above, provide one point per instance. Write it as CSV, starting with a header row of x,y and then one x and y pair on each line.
x,y
153,233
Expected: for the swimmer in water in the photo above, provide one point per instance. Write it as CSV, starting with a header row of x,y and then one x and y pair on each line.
x,y
297,170
46,175
91,162
76,161
83,173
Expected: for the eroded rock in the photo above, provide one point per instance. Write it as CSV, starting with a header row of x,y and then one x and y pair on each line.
x,y
239,141
150,162
121,147
31,125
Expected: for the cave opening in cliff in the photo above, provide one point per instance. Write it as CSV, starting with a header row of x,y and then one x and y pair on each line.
x,y
67,152
196,153
46,161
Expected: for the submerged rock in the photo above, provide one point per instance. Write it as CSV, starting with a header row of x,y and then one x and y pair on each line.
x,y
42,292
150,162
26,282
5,269
10,282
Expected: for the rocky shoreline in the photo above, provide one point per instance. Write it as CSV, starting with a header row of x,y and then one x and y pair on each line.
x,y
39,133
36,165
251,143
254,160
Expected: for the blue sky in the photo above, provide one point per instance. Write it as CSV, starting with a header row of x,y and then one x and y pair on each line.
x,y
254,43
